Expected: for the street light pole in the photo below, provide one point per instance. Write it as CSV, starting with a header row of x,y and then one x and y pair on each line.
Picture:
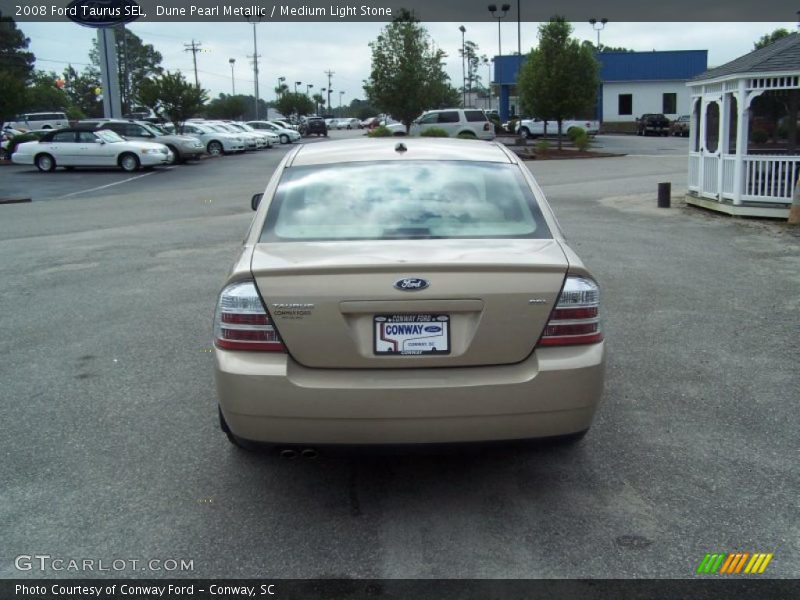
x,y
493,9
463,30
308,88
594,23
519,29
342,93
296,83
280,86
255,20
232,61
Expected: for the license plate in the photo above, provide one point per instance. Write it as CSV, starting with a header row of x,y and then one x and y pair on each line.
x,y
412,335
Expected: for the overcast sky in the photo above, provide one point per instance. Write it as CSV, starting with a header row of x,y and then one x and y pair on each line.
x,y
303,51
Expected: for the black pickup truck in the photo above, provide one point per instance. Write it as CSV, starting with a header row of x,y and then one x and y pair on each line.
x,y
655,124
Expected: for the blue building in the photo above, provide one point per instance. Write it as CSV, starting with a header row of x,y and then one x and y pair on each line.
x,y
631,83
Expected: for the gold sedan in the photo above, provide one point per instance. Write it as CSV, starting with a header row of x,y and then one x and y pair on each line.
x,y
406,292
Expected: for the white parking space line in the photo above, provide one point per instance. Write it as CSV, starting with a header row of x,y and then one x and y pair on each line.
x,y
108,185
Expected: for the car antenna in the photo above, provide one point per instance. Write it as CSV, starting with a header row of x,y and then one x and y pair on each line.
x,y
400,147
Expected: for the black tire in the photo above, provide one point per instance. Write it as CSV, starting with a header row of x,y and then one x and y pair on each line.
x,y
284,138
128,162
469,135
46,127
524,133
214,148
176,156
45,163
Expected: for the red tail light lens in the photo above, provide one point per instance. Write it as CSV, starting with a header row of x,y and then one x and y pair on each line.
x,y
575,319
242,323
487,127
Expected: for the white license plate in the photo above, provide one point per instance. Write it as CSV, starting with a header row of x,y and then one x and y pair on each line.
x,y
410,335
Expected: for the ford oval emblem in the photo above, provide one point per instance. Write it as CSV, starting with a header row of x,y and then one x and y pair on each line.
x,y
411,284
103,13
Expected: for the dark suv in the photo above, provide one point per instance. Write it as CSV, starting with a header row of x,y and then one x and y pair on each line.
x,y
314,125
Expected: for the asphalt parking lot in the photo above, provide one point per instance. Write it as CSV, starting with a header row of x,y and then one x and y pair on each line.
x,y
111,447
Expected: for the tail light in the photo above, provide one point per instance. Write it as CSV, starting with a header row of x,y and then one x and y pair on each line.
x,y
575,319
242,323
487,126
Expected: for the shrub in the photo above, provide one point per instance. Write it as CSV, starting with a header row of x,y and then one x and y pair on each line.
x,y
381,131
542,146
512,125
574,133
434,132
783,132
581,141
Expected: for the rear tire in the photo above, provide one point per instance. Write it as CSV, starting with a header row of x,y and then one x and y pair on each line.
x,y
45,163
524,133
129,162
571,439
214,148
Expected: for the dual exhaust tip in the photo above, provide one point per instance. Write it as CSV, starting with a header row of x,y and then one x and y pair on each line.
x,y
291,454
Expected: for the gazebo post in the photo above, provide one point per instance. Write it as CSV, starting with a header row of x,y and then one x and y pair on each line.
x,y
741,140
722,139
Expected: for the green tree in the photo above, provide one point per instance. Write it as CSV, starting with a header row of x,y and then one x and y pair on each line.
x,y
227,107
16,68
559,80
81,91
137,61
291,103
407,74
770,38
171,95
469,53
43,94
318,100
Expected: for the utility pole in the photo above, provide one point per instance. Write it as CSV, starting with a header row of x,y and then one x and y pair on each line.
x,y
255,20
330,74
232,62
194,48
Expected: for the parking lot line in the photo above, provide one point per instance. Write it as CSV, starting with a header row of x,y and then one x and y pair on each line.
x,y
108,185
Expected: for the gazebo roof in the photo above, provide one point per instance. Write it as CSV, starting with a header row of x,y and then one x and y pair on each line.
x,y
780,56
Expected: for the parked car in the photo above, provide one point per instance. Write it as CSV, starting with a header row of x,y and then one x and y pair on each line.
x,y
348,124
216,142
373,267
456,121
251,140
183,147
314,125
284,124
38,120
370,123
680,126
652,123
535,127
286,136
75,147
269,136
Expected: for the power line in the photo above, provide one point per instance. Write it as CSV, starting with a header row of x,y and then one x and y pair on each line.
x,y
194,48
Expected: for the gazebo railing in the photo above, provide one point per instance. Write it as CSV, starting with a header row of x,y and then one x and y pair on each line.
x,y
763,178
770,178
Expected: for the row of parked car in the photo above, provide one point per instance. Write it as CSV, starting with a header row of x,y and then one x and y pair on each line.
x,y
131,144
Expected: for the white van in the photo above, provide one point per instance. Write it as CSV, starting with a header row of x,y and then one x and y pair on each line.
x,y
40,120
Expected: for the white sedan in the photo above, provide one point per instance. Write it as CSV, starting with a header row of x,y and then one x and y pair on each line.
x,y
286,135
216,142
80,148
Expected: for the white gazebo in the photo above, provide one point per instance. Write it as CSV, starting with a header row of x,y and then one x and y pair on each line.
x,y
732,167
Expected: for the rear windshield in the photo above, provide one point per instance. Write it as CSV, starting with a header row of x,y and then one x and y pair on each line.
x,y
403,200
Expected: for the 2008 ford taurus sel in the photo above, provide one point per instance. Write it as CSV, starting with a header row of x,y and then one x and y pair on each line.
x,y
406,292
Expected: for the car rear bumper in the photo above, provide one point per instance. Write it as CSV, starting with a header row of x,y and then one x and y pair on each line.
x,y
271,398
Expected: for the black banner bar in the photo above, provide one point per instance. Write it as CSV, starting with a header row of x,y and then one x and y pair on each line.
x,y
711,587
463,11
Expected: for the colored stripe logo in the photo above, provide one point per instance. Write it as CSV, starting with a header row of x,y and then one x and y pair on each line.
x,y
734,563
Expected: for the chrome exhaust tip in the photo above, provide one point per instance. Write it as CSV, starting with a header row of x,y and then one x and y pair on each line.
x,y
288,454
309,453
